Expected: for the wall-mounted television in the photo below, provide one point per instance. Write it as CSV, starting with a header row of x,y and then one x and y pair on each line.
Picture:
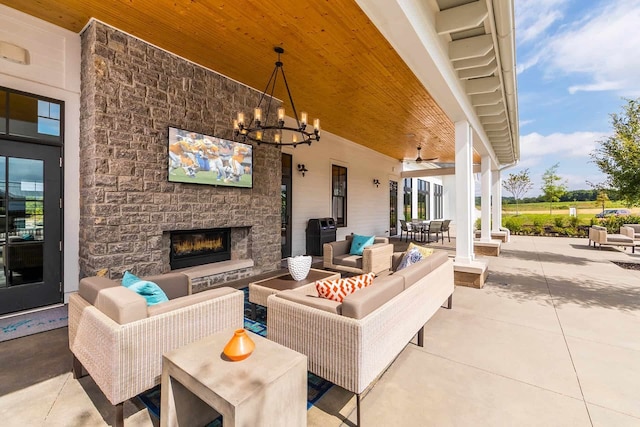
x,y
195,158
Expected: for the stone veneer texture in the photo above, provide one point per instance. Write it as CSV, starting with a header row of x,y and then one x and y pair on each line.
x,y
131,92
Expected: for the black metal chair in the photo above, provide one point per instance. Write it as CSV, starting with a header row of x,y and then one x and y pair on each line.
x,y
445,227
406,228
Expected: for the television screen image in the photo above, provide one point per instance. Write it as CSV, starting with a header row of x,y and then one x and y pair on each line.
x,y
195,158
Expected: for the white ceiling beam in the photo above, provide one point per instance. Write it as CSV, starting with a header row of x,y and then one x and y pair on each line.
x,y
497,134
475,62
482,85
474,73
486,98
461,18
471,47
433,172
489,110
488,120
495,126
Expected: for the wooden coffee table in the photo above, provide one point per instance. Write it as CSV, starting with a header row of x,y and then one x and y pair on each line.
x,y
260,290
268,388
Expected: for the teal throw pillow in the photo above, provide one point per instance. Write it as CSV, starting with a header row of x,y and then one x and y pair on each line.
x,y
358,243
149,290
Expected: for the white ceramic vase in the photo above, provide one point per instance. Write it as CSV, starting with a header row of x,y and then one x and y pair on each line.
x,y
299,266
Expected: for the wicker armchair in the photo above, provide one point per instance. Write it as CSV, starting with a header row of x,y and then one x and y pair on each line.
x,y
119,341
375,258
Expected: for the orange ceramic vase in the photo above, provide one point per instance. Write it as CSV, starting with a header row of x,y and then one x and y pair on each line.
x,y
240,346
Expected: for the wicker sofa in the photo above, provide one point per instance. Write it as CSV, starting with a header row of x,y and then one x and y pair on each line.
x,y
374,259
351,343
120,341
631,230
598,235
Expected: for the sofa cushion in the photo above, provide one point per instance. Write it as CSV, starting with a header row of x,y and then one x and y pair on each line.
x,y
311,299
90,286
347,260
358,243
417,271
175,285
121,304
360,304
145,288
337,290
188,300
619,238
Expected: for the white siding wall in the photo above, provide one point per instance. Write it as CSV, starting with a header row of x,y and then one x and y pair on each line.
x,y
367,205
53,71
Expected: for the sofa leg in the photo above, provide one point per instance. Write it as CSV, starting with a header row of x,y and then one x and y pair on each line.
x,y
254,313
118,419
77,368
421,337
357,410
450,302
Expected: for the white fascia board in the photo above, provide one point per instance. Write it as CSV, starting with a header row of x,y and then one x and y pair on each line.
x,y
409,27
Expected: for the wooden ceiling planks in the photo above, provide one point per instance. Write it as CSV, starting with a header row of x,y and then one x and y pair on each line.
x,y
338,65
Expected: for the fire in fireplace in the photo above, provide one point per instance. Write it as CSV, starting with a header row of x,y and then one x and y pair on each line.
x,y
197,247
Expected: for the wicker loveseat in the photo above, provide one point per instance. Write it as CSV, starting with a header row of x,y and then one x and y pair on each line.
x,y
598,235
120,341
351,343
374,259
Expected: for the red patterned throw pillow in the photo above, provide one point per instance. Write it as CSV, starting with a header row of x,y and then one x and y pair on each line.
x,y
337,290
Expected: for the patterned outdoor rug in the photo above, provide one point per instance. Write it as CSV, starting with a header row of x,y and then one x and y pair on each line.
x,y
33,323
316,386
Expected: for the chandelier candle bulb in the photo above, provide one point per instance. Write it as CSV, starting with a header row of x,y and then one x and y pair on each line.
x,y
316,124
303,118
235,125
240,118
294,138
281,114
257,115
259,136
276,137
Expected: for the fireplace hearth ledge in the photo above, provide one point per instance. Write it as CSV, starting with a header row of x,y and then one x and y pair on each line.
x,y
215,269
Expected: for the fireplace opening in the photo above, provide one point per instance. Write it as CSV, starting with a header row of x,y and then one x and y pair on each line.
x,y
196,247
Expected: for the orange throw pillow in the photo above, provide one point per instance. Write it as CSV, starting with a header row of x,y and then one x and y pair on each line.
x,y
337,290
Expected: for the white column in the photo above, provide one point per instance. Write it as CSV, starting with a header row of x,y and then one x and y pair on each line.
x,y
485,199
496,206
464,193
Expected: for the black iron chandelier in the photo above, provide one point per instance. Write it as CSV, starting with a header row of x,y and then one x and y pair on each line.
x,y
267,129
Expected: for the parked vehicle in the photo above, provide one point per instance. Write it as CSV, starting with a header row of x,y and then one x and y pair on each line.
x,y
613,212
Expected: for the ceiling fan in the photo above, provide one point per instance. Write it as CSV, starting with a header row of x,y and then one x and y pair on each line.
x,y
419,159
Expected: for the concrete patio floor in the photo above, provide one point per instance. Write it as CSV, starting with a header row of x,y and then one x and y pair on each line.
x,y
552,339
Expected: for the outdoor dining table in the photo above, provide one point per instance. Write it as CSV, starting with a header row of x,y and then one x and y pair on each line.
x,y
421,227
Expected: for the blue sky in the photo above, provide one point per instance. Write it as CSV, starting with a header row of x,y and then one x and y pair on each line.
x,y
576,60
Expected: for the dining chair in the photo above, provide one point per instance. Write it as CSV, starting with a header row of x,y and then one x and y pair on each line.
x,y
407,228
445,227
435,227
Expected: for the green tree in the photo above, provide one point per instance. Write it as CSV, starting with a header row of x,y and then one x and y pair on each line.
x,y
602,199
618,156
518,185
552,186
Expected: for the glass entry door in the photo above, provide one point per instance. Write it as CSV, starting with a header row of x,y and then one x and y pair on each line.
x,y
285,196
393,208
30,226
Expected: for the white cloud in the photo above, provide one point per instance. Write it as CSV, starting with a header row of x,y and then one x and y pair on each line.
x,y
525,122
602,47
576,145
535,17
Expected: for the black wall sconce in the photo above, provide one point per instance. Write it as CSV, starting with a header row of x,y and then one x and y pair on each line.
x,y
302,169
376,182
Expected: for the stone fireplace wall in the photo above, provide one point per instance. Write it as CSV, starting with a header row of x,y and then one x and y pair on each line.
x,y
131,92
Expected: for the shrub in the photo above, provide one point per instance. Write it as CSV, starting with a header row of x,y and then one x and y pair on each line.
x,y
538,222
513,224
558,221
574,221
